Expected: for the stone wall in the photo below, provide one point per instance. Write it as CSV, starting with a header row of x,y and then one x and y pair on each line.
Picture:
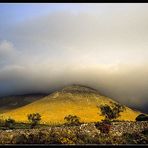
x,y
119,128
85,130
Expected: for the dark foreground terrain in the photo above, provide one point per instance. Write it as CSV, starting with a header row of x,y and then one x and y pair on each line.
x,y
88,133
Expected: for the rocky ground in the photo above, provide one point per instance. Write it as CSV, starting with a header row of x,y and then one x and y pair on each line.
x,y
89,133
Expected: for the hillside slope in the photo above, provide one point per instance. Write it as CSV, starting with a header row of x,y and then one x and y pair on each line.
x,y
75,100
12,102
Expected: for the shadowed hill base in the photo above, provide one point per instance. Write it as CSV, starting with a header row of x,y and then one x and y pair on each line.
x,y
75,100
12,102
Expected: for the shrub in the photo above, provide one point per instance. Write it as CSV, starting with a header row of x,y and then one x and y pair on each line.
x,y
9,123
87,138
104,126
55,137
142,117
135,138
145,132
113,112
19,139
34,119
64,140
72,120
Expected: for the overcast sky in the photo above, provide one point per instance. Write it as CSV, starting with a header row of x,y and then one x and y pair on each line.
x,y
44,47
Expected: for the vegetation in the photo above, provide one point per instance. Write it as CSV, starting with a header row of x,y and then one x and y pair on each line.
x,y
142,117
19,139
72,135
69,102
104,126
145,132
72,131
83,134
1,123
34,119
135,138
111,113
72,120
9,123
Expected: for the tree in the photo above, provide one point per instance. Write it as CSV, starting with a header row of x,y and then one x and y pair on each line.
x,y
72,120
34,119
9,123
113,112
142,117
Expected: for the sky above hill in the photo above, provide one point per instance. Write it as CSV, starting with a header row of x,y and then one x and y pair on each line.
x,y
44,47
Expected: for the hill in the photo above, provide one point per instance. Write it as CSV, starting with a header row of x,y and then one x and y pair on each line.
x,y
12,102
75,100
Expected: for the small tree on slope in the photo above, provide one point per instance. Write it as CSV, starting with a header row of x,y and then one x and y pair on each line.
x,y
111,113
72,120
34,119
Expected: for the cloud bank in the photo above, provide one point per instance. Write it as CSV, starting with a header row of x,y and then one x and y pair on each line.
x,y
103,46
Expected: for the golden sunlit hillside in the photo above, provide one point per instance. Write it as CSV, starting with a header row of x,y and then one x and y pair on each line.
x,y
75,100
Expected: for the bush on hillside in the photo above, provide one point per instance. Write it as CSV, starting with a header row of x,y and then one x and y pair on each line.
x,y
34,119
104,126
142,117
9,123
111,112
72,120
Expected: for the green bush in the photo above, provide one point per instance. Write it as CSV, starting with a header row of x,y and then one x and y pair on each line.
x,y
72,120
34,119
111,112
142,117
9,123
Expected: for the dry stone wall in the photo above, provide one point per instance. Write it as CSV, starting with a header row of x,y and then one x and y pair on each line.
x,y
86,130
119,128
